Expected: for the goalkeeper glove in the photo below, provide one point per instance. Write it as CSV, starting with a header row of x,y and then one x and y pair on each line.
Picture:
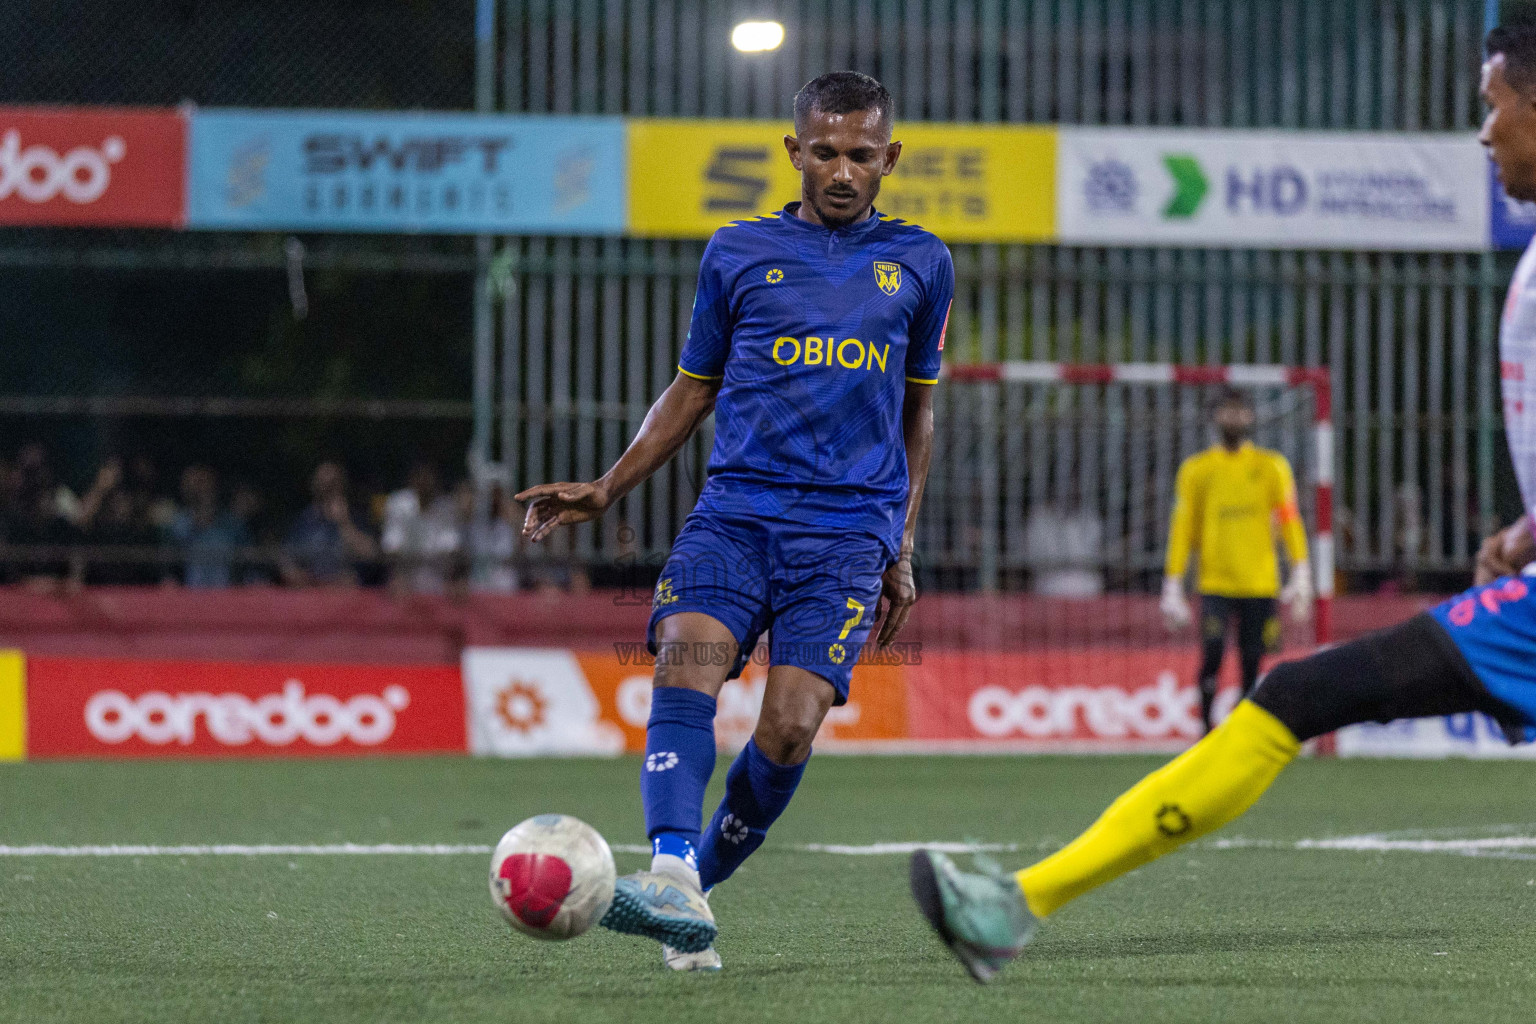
x,y
1297,594
1174,606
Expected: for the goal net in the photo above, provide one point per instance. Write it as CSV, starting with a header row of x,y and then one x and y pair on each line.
x,y
1050,491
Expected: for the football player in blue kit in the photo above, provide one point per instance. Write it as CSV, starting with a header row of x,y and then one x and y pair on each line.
x,y
1476,652
815,340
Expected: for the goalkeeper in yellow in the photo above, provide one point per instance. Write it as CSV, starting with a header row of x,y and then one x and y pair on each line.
x,y
1231,501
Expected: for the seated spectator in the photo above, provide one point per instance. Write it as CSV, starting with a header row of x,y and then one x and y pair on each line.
x,y
39,523
1064,546
325,542
142,481
121,542
206,536
248,506
423,534
492,542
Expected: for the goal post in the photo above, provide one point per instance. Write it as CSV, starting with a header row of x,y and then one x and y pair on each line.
x,y
1311,381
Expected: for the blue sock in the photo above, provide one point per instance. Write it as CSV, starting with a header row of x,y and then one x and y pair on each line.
x,y
756,793
679,759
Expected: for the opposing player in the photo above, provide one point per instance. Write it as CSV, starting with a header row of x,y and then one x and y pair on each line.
x,y
1230,500
1476,652
815,339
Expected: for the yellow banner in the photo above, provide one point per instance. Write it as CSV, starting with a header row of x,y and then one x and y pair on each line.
x,y
965,183
13,706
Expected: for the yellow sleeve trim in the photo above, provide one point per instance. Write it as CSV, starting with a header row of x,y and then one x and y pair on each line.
x,y
922,380
698,376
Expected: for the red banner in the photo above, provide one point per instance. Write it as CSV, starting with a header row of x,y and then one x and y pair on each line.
x,y
101,166
1101,699
100,707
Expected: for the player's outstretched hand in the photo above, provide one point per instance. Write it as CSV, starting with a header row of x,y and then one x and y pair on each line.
x,y
552,505
898,592
1505,553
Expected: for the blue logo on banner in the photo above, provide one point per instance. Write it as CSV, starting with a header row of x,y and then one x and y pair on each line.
x,y
442,173
1511,223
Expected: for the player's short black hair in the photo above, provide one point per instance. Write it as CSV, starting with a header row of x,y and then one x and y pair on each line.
x,y
1517,42
1232,398
843,92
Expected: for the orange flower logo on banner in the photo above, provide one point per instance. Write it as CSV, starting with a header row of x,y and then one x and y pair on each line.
x,y
520,707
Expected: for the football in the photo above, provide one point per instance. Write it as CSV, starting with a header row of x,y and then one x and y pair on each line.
x,y
552,877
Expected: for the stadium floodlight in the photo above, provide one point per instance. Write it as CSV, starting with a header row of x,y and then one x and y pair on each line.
x,y
757,36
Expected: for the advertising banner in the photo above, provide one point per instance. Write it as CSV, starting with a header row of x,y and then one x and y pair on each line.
x,y
528,701
1271,189
92,166
965,183
13,706
1511,223
445,173
100,707
1091,699
1469,735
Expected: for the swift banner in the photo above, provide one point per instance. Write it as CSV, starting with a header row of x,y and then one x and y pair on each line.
x,y
89,166
443,173
1272,189
965,183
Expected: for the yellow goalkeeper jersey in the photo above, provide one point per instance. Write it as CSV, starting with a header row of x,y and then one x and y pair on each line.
x,y
1229,506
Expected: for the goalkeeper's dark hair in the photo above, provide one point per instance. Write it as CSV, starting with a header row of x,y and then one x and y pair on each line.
x,y
1230,397
1517,42
843,92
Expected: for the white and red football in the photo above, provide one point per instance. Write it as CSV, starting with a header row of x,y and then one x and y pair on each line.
x,y
552,877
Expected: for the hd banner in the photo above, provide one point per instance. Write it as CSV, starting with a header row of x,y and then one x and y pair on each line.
x,y
1272,189
437,173
965,183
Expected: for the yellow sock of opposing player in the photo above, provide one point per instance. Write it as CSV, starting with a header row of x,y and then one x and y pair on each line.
x,y
1197,792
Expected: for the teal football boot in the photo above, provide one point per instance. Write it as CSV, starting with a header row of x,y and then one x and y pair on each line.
x,y
982,917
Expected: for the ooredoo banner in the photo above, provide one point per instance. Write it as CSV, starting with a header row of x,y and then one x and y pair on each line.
x,y
100,707
1272,189
1100,699
92,166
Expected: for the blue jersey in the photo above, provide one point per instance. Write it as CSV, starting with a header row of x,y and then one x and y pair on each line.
x,y
813,334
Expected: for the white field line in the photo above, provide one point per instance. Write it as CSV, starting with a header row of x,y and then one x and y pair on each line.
x,y
1502,847
1505,847
436,849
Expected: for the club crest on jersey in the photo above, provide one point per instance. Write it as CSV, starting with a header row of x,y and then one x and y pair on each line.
x,y
888,277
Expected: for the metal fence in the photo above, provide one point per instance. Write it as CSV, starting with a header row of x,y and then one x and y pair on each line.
x,y
590,330
582,333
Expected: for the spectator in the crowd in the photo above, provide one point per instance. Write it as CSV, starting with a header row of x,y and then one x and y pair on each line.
x,y
423,535
1064,545
40,518
492,542
250,510
122,545
325,542
151,503
206,536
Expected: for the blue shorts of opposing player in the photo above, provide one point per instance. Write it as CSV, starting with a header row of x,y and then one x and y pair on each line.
x,y
814,592
1494,627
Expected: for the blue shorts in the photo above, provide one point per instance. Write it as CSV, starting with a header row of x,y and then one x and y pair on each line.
x,y
815,592
1494,626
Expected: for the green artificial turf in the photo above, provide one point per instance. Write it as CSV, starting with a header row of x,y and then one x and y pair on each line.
x,y
1262,933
